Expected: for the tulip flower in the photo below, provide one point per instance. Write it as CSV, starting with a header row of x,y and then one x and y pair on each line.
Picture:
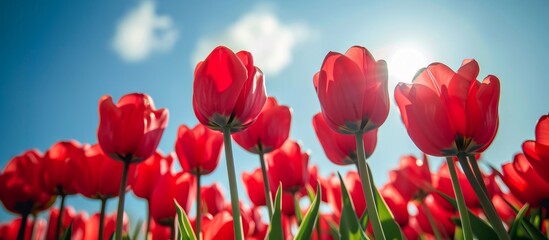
x,y
178,186
341,148
288,165
129,132
253,184
10,230
159,232
353,95
412,179
396,203
537,152
148,174
430,208
524,182
354,185
228,95
58,175
221,226
442,182
314,179
465,113
78,221
100,177
213,199
267,133
110,226
20,190
198,150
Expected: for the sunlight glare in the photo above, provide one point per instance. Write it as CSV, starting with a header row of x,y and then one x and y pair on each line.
x,y
405,62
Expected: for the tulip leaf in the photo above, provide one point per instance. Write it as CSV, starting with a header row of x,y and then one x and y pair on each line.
x,y
305,230
334,232
275,228
68,233
349,225
364,220
391,229
480,228
516,231
183,223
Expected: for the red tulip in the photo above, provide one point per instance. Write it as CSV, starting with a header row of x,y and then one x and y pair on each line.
x,y
261,228
213,199
442,181
354,186
78,221
20,190
221,226
412,179
501,203
524,182
181,187
198,149
99,176
396,203
464,110
92,226
412,230
341,148
159,232
441,216
288,165
537,152
58,172
130,130
269,131
314,179
253,183
149,172
352,90
10,230
228,90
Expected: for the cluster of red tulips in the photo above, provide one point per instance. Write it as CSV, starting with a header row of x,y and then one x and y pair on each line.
x,y
447,114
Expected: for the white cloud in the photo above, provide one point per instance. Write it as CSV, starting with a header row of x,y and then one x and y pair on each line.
x,y
260,32
142,32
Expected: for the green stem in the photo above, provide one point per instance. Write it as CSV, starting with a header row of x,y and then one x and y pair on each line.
x,y
237,221
198,203
268,199
60,216
485,201
297,209
462,208
102,219
367,188
434,227
476,170
121,198
22,226
148,228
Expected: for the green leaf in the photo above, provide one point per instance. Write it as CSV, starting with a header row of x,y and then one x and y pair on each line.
x,y
391,229
349,226
458,233
514,230
68,233
275,228
137,229
184,226
481,229
364,220
305,230
334,232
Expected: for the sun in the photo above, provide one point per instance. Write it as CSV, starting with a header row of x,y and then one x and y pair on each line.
x,y
404,62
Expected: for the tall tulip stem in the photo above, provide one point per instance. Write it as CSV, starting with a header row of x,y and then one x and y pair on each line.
x,y
60,216
482,195
198,203
148,230
121,198
235,205
22,226
476,170
462,208
367,188
102,219
268,199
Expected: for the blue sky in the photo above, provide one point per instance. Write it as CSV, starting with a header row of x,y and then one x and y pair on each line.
x,y
58,59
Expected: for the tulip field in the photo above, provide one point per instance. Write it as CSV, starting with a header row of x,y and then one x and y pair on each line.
x,y
447,111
